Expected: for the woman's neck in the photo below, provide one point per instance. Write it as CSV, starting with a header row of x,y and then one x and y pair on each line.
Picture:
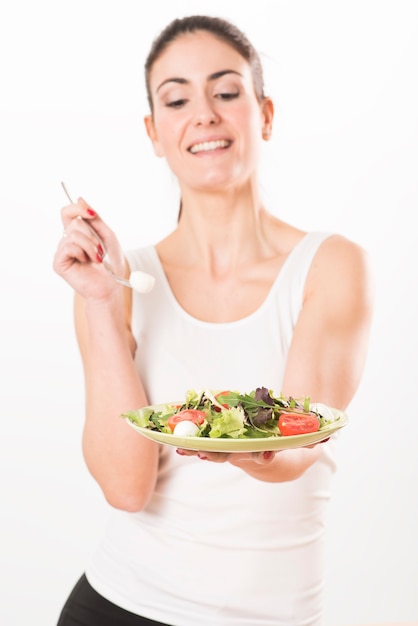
x,y
219,231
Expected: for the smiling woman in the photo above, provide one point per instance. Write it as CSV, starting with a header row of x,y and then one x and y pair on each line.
x,y
202,119
241,299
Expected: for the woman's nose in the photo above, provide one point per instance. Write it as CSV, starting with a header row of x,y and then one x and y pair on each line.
x,y
205,113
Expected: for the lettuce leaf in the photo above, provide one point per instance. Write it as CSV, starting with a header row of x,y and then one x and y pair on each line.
x,y
229,422
140,416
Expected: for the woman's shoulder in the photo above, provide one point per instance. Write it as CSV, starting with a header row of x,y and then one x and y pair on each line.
x,y
335,264
341,269
331,246
338,252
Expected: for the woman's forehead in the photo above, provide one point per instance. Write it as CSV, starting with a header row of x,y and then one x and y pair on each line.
x,y
197,54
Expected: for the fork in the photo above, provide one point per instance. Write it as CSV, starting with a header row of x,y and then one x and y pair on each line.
x,y
139,281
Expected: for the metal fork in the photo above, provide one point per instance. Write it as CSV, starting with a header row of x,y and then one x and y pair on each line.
x,y
140,281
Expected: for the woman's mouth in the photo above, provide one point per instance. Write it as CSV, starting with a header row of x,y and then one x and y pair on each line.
x,y
209,146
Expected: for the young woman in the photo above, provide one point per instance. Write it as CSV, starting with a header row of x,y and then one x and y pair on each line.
x,y
241,300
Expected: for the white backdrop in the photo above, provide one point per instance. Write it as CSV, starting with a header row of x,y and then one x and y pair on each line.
x,y
343,157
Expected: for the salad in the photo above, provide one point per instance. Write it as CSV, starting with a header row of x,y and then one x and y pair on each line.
x,y
232,415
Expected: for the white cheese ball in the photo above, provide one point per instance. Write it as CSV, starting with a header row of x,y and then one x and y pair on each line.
x,y
186,429
141,281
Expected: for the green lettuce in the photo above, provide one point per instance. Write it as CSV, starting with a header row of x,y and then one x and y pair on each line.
x,y
229,422
140,416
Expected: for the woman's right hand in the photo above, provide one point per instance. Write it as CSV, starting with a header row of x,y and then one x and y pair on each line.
x,y
79,255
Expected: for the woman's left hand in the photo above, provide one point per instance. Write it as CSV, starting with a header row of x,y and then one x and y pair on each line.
x,y
259,458
273,466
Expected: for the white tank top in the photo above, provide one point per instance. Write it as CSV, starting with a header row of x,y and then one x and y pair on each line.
x,y
215,547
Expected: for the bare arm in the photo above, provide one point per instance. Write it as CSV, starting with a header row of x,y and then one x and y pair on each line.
x,y
329,346
328,349
124,465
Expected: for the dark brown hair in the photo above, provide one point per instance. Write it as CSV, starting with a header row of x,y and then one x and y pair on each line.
x,y
220,28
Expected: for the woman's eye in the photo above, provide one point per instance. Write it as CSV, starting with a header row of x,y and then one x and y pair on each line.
x,y
176,104
228,95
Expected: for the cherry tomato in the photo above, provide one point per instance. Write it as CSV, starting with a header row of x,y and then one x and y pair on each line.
x,y
222,393
192,415
224,404
298,423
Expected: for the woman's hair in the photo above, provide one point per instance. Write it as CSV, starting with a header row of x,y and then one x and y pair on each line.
x,y
216,26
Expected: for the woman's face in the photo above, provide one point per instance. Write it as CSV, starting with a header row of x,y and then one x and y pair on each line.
x,y
207,121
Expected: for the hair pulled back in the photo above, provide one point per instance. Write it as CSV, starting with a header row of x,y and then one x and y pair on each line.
x,y
218,27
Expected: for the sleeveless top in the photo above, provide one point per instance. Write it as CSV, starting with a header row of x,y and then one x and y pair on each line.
x,y
216,547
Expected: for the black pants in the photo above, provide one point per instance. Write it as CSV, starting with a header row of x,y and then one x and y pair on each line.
x,y
85,607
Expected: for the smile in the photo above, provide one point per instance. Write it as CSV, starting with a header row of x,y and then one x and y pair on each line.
x,y
208,146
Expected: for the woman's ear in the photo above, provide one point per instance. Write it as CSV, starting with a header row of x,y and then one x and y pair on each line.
x,y
267,114
152,134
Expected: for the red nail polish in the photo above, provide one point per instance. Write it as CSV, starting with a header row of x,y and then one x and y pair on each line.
x,y
180,452
201,456
100,250
99,257
91,212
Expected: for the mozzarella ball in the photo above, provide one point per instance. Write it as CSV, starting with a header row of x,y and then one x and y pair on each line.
x,y
141,281
186,429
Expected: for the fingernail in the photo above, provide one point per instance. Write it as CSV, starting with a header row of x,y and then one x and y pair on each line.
x,y
180,452
267,455
202,456
99,256
91,212
100,250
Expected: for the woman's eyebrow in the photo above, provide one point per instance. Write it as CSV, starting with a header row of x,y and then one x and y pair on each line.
x,y
180,81
184,81
221,73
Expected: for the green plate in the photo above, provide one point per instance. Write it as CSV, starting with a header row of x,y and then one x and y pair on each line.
x,y
242,445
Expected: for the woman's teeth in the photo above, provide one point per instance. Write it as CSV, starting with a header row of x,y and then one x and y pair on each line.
x,y
207,146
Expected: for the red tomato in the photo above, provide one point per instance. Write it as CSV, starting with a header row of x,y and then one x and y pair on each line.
x,y
191,415
224,404
298,423
222,393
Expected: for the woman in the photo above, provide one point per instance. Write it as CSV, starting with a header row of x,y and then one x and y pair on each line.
x,y
241,300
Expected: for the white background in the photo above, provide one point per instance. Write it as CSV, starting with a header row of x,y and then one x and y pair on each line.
x,y
343,157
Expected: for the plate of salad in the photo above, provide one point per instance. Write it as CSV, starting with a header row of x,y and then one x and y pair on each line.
x,y
228,421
